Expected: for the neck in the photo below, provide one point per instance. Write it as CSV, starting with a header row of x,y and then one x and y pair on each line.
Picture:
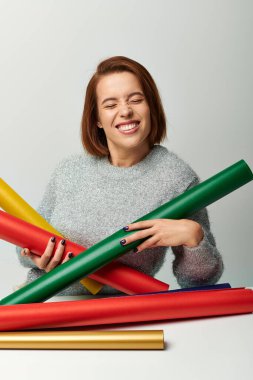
x,y
128,157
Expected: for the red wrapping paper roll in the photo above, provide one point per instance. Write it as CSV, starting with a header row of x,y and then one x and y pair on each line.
x,y
115,274
126,309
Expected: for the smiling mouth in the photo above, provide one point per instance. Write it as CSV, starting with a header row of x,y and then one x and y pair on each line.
x,y
128,127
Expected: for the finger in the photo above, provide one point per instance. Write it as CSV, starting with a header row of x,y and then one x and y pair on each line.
x,y
139,225
30,255
149,243
24,252
56,259
36,259
142,234
46,257
68,257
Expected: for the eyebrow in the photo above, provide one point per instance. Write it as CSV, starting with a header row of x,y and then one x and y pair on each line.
x,y
132,94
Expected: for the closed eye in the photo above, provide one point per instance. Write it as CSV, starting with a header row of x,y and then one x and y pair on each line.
x,y
136,100
110,106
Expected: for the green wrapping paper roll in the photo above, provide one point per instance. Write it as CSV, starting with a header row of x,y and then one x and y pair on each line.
x,y
109,248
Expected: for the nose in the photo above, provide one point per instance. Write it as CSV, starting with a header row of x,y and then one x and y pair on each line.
x,y
125,110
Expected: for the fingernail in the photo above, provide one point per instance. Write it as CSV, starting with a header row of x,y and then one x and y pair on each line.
x,y
135,250
63,242
126,228
70,255
53,239
123,241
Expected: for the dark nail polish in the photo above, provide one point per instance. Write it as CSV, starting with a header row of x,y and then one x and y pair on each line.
x,y
123,241
70,255
135,250
126,228
63,242
53,239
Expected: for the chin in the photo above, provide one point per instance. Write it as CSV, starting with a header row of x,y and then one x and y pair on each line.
x,y
137,145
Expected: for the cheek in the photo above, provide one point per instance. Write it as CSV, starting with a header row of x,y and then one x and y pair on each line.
x,y
147,117
146,112
106,116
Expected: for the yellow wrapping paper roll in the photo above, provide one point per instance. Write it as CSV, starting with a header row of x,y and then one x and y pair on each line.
x,y
12,203
83,340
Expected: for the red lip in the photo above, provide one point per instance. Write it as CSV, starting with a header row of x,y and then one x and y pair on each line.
x,y
128,122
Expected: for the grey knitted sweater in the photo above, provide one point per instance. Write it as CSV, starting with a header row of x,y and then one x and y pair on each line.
x,y
88,199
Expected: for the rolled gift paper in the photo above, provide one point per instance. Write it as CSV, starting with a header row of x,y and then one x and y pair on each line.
x,y
109,249
15,205
126,309
84,340
117,275
204,287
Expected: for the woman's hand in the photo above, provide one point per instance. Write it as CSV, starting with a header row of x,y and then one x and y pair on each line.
x,y
48,262
164,233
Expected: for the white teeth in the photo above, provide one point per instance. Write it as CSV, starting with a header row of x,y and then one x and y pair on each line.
x,y
127,127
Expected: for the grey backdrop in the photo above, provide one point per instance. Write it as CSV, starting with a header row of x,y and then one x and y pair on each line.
x,y
200,55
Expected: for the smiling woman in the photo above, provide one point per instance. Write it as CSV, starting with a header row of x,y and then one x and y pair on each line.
x,y
125,173
121,91
125,118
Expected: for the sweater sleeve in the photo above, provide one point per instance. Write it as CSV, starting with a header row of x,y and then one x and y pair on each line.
x,y
45,209
200,265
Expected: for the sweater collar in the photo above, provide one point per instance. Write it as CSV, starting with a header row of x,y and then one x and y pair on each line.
x,y
105,168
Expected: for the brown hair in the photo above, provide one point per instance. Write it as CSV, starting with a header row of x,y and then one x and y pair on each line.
x,y
93,138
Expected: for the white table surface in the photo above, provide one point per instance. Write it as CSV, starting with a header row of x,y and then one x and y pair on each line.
x,y
204,348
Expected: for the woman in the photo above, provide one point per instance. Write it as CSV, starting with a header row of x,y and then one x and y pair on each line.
x,y
123,174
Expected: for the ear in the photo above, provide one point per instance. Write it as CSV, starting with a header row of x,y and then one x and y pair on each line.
x,y
99,125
